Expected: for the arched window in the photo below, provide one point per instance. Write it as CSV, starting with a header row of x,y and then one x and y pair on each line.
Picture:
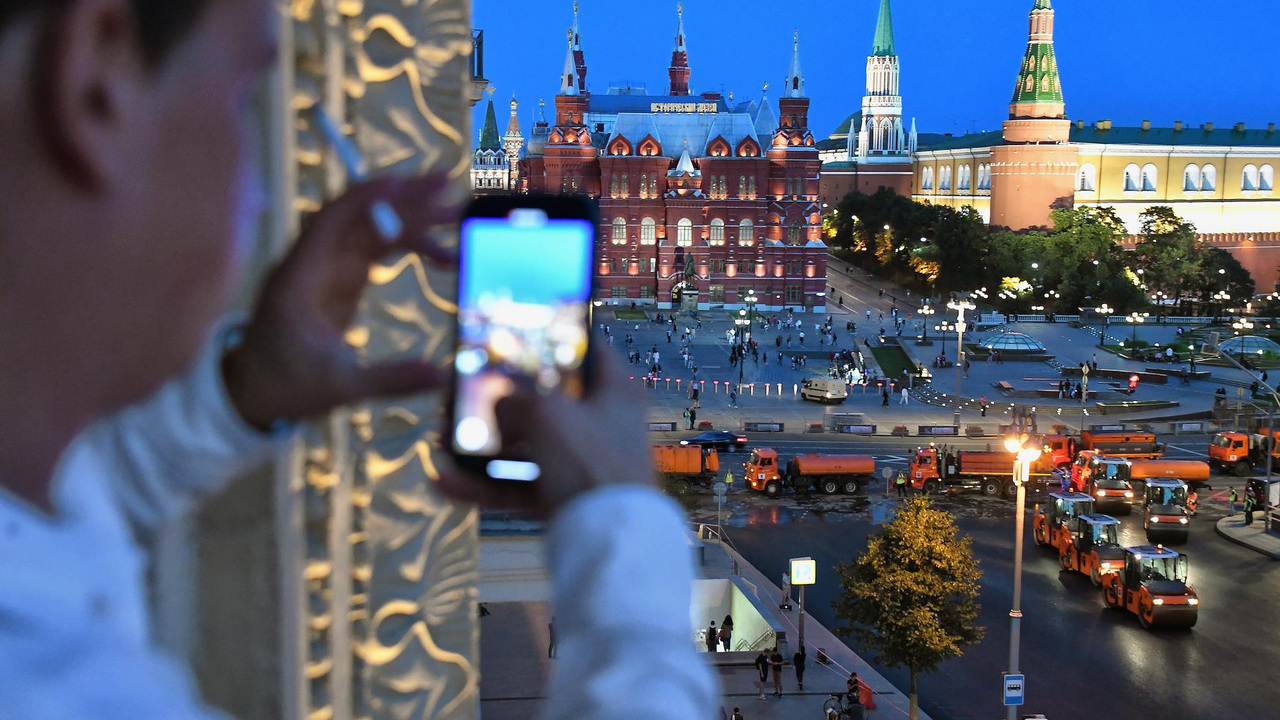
x,y
1131,173
1149,178
944,178
746,233
724,187
684,232
1266,178
717,232
742,186
648,232
625,191
1191,178
965,178
619,231
751,187
1044,84
653,186
1249,178
644,185
887,137
793,233
1088,177
1208,178
1031,83
613,184
926,178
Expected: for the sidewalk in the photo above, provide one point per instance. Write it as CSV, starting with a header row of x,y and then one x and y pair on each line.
x,y
1252,536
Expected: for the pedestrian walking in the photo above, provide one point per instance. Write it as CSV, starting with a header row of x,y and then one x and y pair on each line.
x,y
551,643
884,397
737,715
668,336
726,627
801,337
1249,505
1232,498
775,666
713,638
966,367
693,418
982,405
762,667
688,417
904,396
798,661
900,483
733,398
868,314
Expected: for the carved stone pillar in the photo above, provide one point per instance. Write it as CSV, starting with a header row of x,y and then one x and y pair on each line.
x,y
380,618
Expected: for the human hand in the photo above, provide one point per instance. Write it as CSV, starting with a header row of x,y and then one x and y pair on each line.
x,y
294,362
580,445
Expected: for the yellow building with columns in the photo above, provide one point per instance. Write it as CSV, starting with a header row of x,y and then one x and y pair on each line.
x,y
1221,179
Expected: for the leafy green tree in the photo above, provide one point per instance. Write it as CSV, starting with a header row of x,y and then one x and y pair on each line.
x,y
911,598
1167,251
1219,271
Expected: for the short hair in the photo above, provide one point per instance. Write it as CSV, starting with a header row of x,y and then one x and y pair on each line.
x,y
161,23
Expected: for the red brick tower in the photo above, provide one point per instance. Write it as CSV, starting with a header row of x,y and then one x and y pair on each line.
x,y
679,70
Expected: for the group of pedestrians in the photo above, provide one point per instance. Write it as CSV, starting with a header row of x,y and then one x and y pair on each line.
x,y
771,664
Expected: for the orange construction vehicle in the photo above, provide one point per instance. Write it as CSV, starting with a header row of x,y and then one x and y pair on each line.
x,y
932,470
685,465
1105,479
1051,526
1239,452
828,473
1091,546
1122,444
1164,509
1153,586
1188,471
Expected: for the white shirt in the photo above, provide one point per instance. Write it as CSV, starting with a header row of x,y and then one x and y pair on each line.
x,y
75,642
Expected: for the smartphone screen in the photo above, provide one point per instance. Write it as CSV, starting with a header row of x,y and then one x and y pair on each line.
x,y
524,295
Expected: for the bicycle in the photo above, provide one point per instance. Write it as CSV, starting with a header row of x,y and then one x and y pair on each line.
x,y
838,707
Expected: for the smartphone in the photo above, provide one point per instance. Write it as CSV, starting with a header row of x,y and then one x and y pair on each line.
x,y
526,279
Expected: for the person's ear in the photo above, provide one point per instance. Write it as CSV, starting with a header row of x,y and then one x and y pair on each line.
x,y
90,65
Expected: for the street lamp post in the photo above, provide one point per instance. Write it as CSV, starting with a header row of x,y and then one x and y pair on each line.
x,y
804,572
1104,311
1021,474
751,301
741,323
1135,319
926,310
960,305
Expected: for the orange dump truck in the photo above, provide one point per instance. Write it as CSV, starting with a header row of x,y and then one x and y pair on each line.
x,y
1188,471
828,473
991,472
1238,452
686,464
1131,445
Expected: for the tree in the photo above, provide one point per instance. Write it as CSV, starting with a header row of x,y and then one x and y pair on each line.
x,y
1219,271
1168,252
911,598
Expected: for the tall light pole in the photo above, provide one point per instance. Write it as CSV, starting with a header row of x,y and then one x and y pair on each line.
x,y
1104,311
960,305
926,311
1135,319
741,323
1025,456
751,301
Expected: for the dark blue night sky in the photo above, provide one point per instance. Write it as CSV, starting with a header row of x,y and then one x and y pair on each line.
x,y
1126,60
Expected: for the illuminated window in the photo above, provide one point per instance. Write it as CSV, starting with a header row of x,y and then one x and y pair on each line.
x,y
1208,178
717,232
619,231
1191,178
963,182
644,186
625,191
944,178
646,292
648,232
1131,173
793,233
751,188
613,185
684,232
618,291
1088,177
746,233
653,186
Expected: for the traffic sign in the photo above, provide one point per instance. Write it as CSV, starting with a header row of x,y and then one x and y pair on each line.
x,y
720,490
1014,689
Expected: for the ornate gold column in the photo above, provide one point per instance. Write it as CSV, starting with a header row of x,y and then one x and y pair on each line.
x,y
379,603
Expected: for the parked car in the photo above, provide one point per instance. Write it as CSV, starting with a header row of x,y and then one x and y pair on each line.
x,y
719,440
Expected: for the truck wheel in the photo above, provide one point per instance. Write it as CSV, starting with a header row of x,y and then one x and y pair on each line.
x,y
1109,597
684,488
830,487
990,488
1037,534
1242,469
772,489
1065,559
1011,490
931,487
1095,576
850,487
1143,619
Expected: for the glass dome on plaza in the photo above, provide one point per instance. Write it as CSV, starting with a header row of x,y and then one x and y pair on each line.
x,y
1014,342
1249,345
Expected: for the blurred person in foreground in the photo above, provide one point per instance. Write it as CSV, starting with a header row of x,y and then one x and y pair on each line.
x,y
126,203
